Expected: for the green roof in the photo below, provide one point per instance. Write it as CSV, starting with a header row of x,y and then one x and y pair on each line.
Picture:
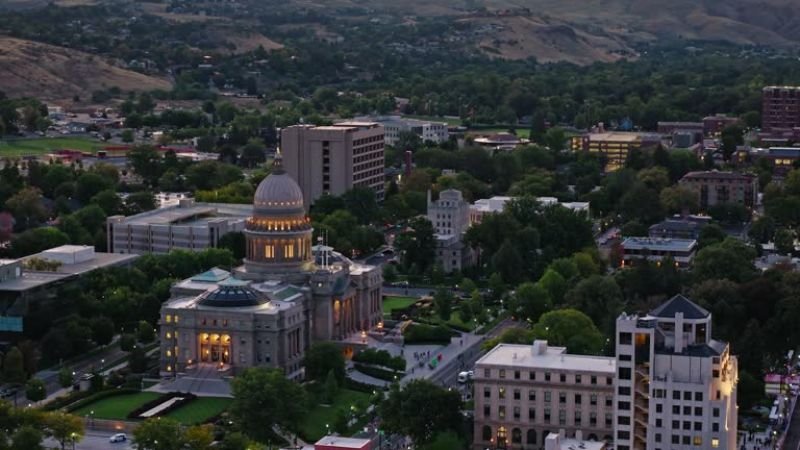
x,y
287,292
214,275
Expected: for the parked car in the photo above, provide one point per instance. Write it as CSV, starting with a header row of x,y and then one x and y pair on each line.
x,y
119,437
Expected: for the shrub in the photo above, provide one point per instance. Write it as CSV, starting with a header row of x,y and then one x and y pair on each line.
x,y
354,385
380,358
426,334
379,373
94,397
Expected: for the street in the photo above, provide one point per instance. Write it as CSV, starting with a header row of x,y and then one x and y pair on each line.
x,y
94,440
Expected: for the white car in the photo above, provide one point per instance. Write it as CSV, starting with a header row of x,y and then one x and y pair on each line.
x,y
462,377
119,437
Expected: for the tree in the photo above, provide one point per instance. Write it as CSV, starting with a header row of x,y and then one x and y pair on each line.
x,y
331,388
445,441
65,377
750,390
554,284
709,235
37,240
443,303
253,154
145,332
784,241
13,369
90,184
730,259
127,136
599,297
570,328
146,162
507,261
102,330
27,437
421,410
360,202
64,428
35,390
418,246
263,398
27,207
531,301
137,360
126,342
731,136
108,201
139,202
323,358
160,433
408,140
199,437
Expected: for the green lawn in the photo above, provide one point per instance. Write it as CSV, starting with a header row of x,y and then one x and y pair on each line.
x,y
313,426
24,147
455,319
117,407
392,303
200,410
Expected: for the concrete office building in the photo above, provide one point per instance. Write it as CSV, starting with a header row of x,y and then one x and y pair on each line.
x,y
334,159
449,215
524,392
780,107
635,249
716,188
676,386
393,126
188,226
287,295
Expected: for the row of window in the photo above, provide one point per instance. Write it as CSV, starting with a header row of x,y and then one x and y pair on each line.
x,y
577,418
577,399
547,376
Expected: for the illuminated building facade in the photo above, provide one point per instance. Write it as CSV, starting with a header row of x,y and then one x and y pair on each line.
x,y
287,295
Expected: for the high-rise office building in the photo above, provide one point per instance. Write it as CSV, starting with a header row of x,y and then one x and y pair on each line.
x,y
675,386
334,159
780,107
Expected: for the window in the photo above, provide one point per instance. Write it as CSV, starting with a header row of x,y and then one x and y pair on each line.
x,y
609,381
715,373
624,373
516,374
562,397
288,251
676,395
593,418
658,437
531,438
578,399
487,373
686,440
676,409
609,420
546,376
501,392
659,408
501,412
687,425
625,338
609,401
593,380
715,427
714,442
593,399
623,434
532,375
516,436
487,392
715,412
486,433
658,423
698,426
269,251
487,411
577,379
502,373
624,390
625,406
532,395
547,415
531,414
676,439
168,318
516,394
698,441
562,378
687,396
624,420
562,417
623,357
516,412
687,410
676,424
698,396
698,411
547,396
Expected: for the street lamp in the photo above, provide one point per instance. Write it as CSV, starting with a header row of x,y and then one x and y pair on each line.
x,y
73,436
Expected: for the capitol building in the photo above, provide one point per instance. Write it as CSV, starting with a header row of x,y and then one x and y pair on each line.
x,y
288,294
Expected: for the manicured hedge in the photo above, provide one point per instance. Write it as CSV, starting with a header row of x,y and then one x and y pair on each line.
x,y
426,334
380,358
377,372
354,385
187,397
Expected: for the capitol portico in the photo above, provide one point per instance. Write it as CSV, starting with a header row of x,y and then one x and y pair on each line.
x,y
286,295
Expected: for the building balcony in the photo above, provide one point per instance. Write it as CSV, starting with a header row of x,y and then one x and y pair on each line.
x,y
640,435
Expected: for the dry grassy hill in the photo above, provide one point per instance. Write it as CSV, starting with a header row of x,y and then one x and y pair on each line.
x,y
55,73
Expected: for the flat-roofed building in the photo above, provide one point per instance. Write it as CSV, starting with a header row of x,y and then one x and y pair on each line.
x,y
335,158
675,385
188,225
394,126
614,146
343,443
449,215
525,392
484,206
681,251
780,107
717,188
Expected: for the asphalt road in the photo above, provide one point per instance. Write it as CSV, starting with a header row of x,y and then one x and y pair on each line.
x,y
94,440
792,441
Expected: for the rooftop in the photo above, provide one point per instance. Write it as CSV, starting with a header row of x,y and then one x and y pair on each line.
x,y
680,304
343,442
541,356
31,279
190,213
659,244
717,175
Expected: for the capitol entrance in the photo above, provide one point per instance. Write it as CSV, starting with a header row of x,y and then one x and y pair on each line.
x,y
215,348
